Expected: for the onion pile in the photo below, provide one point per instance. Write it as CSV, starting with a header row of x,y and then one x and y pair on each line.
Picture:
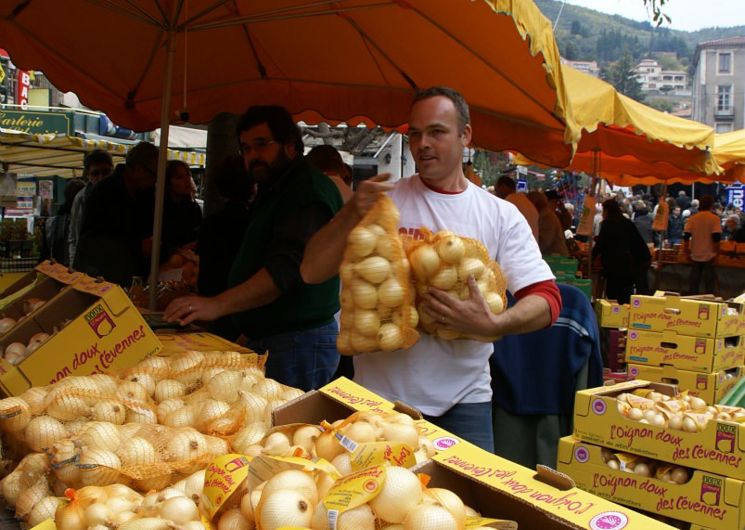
x,y
311,441
646,467
117,506
15,352
6,324
377,312
445,261
683,412
32,304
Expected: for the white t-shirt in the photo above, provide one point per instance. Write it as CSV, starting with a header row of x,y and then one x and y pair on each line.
x,y
436,374
701,226
527,209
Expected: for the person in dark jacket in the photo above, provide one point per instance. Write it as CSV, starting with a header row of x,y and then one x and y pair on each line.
x,y
675,226
683,200
221,234
623,253
58,227
643,222
181,213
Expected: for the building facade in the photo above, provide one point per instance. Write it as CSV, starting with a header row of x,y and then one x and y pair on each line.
x,y
654,79
719,84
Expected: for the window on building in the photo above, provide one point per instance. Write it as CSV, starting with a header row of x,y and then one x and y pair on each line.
x,y
723,127
724,97
725,63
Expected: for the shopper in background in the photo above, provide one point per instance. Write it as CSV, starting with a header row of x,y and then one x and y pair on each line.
x,y
506,189
557,206
97,165
270,303
675,226
449,381
181,213
221,234
622,251
327,159
643,221
683,200
702,234
551,239
117,225
58,227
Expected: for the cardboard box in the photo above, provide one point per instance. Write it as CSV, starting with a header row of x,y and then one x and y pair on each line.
x,y
614,347
706,499
502,489
696,317
697,354
199,341
106,334
611,314
709,387
719,448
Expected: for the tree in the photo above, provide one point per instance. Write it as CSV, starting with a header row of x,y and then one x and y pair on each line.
x,y
622,76
655,8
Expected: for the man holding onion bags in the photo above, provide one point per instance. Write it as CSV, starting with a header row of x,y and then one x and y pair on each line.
x,y
447,380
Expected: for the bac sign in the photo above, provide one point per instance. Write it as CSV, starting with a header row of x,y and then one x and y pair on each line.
x,y
24,84
736,196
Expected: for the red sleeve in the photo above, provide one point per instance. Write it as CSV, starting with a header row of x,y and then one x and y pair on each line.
x,y
547,290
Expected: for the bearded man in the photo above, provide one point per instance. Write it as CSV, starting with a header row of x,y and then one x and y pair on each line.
x,y
269,301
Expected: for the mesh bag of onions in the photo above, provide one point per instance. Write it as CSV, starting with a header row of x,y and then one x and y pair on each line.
x,y
445,261
377,313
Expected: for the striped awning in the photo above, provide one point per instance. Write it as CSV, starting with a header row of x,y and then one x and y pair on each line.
x,y
46,155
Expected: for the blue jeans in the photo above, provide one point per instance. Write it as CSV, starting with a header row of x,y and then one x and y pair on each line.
x,y
302,359
470,421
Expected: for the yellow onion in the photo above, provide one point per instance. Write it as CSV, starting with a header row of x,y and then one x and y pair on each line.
x,y
390,337
104,384
210,410
450,501
277,444
43,510
168,389
387,248
425,261
343,464
293,479
225,385
178,510
400,493
187,445
495,302
366,322
15,414
374,269
35,397
359,518
391,293
444,279
6,324
284,508
401,432
364,294
101,435
361,343
43,431
269,389
306,436
254,407
109,410
137,451
30,496
140,415
154,365
346,272
430,517
470,267
327,446
15,352
361,242
344,342
98,467
451,249
233,520
132,391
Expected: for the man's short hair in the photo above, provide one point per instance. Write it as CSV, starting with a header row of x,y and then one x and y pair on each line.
x,y
327,159
507,182
461,107
707,201
278,119
97,156
143,154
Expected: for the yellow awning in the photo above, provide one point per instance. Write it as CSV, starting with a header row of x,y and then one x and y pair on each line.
x,y
46,155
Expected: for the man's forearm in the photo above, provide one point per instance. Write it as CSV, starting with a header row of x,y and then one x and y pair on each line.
x,y
325,250
257,291
528,314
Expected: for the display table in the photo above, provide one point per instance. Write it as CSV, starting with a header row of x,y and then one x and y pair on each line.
x,y
675,277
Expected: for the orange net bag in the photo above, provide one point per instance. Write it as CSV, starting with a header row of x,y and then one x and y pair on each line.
x,y
376,298
445,261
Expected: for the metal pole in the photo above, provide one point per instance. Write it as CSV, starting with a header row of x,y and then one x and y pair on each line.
x,y
160,184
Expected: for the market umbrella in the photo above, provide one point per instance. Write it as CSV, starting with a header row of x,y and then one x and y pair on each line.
x,y
729,150
148,64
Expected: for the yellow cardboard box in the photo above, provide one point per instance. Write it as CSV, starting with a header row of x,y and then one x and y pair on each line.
x,y
611,314
698,354
706,499
719,448
709,387
697,317
106,333
545,501
197,341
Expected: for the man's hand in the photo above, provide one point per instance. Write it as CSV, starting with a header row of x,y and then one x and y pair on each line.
x,y
471,316
190,308
368,191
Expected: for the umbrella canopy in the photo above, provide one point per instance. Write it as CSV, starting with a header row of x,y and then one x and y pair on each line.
x,y
729,150
347,60
617,126
47,155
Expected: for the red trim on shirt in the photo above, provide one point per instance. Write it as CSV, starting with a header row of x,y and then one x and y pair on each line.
x,y
549,291
440,190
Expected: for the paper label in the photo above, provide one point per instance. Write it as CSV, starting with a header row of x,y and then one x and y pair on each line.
x,y
479,522
223,477
352,491
377,453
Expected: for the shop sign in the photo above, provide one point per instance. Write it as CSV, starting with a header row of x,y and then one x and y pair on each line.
x,y
2,73
25,188
35,122
736,195
24,84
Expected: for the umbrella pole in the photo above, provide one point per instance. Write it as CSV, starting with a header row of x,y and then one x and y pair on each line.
x,y
160,184
593,193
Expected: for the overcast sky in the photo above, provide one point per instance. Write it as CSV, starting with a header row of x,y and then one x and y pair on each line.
x,y
688,15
